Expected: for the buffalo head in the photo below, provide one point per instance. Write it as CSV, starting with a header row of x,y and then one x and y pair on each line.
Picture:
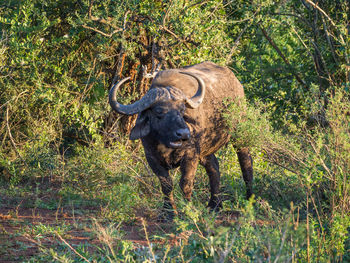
x,y
161,112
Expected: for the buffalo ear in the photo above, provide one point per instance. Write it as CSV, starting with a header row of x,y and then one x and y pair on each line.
x,y
142,127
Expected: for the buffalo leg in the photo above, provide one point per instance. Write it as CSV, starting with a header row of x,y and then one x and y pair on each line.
x,y
188,169
166,183
211,166
246,163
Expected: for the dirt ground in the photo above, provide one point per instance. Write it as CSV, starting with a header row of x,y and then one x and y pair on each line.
x,y
17,239
24,232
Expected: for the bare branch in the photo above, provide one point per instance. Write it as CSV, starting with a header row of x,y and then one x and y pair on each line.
x,y
67,244
90,7
14,98
273,44
251,19
175,36
10,134
101,32
104,21
120,65
122,55
321,10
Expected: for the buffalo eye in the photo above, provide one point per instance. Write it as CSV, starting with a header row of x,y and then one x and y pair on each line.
x,y
182,110
159,112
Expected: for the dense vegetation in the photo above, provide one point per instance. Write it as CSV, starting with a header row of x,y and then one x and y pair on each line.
x,y
63,150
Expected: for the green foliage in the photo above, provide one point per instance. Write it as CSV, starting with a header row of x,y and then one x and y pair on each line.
x,y
248,126
57,61
311,49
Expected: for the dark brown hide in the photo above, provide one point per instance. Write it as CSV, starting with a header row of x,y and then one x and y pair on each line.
x,y
205,123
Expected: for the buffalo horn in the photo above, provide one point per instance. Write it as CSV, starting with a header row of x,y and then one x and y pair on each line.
x,y
152,96
197,99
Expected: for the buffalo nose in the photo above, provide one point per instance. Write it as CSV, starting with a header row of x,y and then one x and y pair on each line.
x,y
183,134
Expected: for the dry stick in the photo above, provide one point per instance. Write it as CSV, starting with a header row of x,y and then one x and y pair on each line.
x,y
139,178
282,244
122,55
200,232
148,242
311,55
175,36
225,253
228,58
44,249
307,227
10,134
273,44
319,55
330,173
104,21
342,41
87,89
101,32
91,3
14,98
120,66
166,253
303,43
76,252
329,40
318,214
321,10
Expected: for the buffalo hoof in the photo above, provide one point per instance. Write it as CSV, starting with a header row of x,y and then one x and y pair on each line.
x,y
215,205
166,216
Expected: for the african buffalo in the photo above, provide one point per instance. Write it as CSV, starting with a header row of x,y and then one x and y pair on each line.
x,y
179,130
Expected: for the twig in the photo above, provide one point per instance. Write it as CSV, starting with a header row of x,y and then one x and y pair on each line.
x,y
148,242
282,244
104,21
76,252
44,249
14,98
330,173
329,40
90,7
200,232
321,59
307,227
321,10
120,66
228,249
10,134
86,89
228,58
273,44
175,36
166,253
300,39
200,2
122,55
101,32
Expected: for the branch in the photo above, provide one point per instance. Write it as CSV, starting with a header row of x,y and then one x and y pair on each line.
x,y
104,21
14,98
239,37
175,36
321,10
273,44
120,66
10,134
101,32
67,244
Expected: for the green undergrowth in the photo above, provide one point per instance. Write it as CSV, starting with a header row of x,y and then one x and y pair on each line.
x,y
299,211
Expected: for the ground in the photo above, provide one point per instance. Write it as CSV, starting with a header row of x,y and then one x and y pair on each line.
x,y
19,240
27,232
